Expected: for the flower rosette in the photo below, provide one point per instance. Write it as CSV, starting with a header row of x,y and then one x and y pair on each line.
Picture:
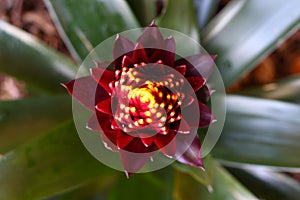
x,y
147,101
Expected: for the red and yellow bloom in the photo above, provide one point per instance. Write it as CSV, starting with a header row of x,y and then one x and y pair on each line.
x,y
139,106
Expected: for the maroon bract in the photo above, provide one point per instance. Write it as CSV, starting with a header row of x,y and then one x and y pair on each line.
x,y
138,107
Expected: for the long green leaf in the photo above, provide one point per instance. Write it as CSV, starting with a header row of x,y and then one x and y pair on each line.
x,y
86,23
148,186
50,165
259,131
23,56
93,190
24,120
287,89
205,11
268,184
204,177
225,187
247,31
180,16
145,10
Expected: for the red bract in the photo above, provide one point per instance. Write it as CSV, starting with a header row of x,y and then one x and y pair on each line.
x,y
139,106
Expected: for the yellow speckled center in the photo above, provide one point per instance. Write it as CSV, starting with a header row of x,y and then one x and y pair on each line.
x,y
145,94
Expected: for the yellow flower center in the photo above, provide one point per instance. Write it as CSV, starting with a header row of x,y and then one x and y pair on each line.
x,y
144,94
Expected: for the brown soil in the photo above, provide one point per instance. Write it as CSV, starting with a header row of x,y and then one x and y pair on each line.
x,y
33,17
283,62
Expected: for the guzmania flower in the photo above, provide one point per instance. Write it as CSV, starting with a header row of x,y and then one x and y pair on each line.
x,y
149,102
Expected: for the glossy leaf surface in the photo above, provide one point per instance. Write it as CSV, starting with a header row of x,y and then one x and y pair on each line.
x,y
205,11
205,176
23,120
86,23
144,10
267,184
180,16
225,187
247,31
55,163
26,58
259,131
148,186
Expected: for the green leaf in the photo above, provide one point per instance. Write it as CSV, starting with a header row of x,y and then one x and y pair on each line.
x,y
96,189
24,120
84,24
145,10
180,16
205,11
186,187
267,184
247,31
147,186
204,177
55,163
225,187
26,58
259,131
287,89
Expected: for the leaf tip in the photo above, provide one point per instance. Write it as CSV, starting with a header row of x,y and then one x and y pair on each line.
x,y
153,24
128,174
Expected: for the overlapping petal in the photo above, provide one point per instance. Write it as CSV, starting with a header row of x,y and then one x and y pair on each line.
x,y
139,107
86,91
192,156
198,65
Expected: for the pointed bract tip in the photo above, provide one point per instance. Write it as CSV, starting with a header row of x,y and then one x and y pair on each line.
x,y
198,164
91,71
88,127
138,45
211,92
92,124
210,188
151,159
213,57
128,174
214,120
68,86
170,37
152,24
95,62
118,36
64,85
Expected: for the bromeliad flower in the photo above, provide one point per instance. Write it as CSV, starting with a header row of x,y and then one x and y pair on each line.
x,y
149,102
